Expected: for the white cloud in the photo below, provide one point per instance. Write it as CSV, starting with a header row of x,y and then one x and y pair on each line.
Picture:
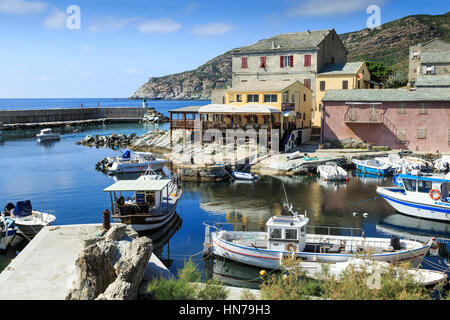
x,y
159,26
86,48
75,64
134,71
330,7
56,20
211,28
87,74
22,6
110,23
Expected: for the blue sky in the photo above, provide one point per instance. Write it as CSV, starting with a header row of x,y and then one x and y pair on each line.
x,y
121,43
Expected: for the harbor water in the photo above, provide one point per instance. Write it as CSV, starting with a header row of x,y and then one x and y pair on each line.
x,y
61,176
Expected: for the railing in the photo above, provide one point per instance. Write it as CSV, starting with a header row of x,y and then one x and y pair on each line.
x,y
339,229
362,117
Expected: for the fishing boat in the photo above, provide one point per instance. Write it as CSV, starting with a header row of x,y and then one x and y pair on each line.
x,y
373,166
421,195
127,163
238,175
287,237
320,271
47,134
151,205
8,232
28,221
332,172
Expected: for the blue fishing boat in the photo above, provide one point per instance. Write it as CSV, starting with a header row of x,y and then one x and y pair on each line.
x,y
8,232
423,195
373,166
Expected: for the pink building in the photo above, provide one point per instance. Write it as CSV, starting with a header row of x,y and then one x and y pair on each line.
x,y
417,120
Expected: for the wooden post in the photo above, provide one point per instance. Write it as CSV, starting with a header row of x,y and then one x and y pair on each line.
x,y
170,113
106,220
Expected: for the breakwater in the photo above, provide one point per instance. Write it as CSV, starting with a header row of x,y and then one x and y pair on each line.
x,y
20,119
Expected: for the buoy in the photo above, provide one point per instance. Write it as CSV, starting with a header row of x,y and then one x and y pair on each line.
x,y
262,273
346,179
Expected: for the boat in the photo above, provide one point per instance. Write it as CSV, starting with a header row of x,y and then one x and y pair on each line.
x,y
373,166
442,164
29,221
238,175
8,232
127,163
286,237
421,195
151,206
332,172
47,134
294,155
320,271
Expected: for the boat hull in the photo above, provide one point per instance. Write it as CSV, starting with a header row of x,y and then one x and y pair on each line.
x,y
372,170
433,210
145,222
6,238
137,167
48,137
272,259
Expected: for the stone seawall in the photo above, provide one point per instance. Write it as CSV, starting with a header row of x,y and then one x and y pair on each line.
x,y
17,117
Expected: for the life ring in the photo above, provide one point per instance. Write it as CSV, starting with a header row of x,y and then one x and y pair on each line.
x,y
435,194
291,247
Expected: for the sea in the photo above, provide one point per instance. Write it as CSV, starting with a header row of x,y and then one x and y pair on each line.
x,y
61,176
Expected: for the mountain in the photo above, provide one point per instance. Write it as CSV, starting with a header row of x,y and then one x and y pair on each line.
x,y
388,44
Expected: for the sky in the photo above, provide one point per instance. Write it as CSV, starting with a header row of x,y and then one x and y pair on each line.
x,y
109,48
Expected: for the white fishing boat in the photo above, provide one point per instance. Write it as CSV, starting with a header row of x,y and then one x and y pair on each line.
x,y
332,172
144,204
29,221
442,164
287,237
238,175
373,166
420,195
321,271
8,231
47,134
138,162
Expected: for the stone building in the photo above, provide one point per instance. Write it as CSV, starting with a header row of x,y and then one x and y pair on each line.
x,y
429,59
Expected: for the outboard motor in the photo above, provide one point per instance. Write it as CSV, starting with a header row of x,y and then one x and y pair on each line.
x,y
395,243
8,209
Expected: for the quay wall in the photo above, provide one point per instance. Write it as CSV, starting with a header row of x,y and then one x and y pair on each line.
x,y
70,114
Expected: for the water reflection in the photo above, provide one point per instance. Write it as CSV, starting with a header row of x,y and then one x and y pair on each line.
x,y
48,143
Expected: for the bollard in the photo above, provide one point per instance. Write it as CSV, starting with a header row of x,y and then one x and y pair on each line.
x,y
106,220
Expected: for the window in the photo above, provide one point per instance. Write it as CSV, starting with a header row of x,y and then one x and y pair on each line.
x,y
359,84
421,133
304,97
253,98
422,109
401,134
291,234
424,186
244,63
344,84
275,233
322,85
307,83
239,98
286,61
285,97
332,59
262,62
401,108
270,98
410,185
307,60
293,98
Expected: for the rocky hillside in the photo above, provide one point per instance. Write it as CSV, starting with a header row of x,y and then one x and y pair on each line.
x,y
388,44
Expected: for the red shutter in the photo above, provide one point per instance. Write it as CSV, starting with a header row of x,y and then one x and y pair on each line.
x,y
307,83
307,60
244,63
281,61
262,62
291,61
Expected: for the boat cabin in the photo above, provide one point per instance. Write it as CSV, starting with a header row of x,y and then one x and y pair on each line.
x,y
437,186
46,131
287,233
140,197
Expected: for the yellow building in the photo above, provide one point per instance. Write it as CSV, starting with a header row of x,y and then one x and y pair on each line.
x,y
350,75
293,100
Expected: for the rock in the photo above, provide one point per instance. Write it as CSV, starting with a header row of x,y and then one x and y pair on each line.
x,y
116,232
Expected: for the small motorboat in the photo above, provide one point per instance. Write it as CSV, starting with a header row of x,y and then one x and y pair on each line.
x,y
319,271
28,221
151,206
332,172
238,175
47,134
8,231
373,166
138,162
442,164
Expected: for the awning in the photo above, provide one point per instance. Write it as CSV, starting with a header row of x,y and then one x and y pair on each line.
x,y
288,113
244,109
138,185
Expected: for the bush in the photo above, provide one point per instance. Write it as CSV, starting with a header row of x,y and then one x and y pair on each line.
x,y
185,287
